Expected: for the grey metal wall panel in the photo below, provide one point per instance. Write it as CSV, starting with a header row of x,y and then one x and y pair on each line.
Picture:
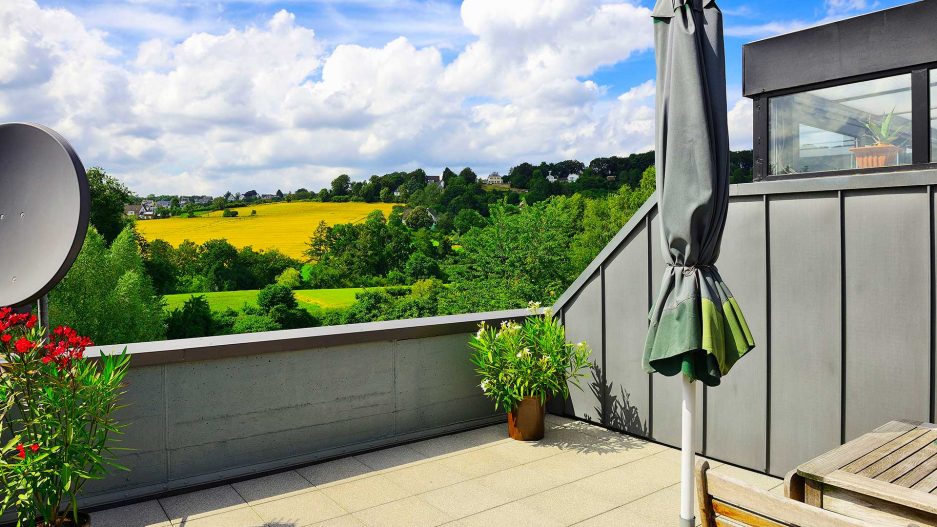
x,y
806,324
736,410
887,253
626,292
583,317
433,376
667,392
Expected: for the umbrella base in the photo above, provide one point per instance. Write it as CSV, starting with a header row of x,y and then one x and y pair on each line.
x,y
687,523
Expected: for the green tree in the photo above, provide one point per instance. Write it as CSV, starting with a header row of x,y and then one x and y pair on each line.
x,y
419,267
108,197
519,257
218,263
468,218
290,278
107,294
276,295
341,185
158,258
419,218
194,319
468,175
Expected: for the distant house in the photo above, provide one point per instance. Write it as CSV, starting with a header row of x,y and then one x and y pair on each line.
x,y
494,179
267,196
203,200
250,194
163,204
572,178
142,211
434,180
610,178
551,179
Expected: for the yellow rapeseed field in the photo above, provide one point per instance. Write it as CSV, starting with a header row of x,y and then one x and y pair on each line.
x,y
283,226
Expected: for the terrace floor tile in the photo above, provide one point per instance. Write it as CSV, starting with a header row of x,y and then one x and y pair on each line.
x,y
579,474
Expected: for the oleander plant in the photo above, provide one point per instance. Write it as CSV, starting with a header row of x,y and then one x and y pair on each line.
x,y
57,408
531,359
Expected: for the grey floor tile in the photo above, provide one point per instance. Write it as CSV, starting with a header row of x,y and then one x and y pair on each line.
x,y
201,503
334,472
408,512
342,521
243,517
145,514
390,457
364,493
425,476
298,510
272,487
466,498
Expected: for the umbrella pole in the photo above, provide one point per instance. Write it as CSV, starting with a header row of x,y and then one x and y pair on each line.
x,y
687,457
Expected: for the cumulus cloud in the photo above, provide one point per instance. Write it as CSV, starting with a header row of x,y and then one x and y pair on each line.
x,y
840,7
271,105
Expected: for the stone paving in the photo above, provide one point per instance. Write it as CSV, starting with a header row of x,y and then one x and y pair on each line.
x,y
577,475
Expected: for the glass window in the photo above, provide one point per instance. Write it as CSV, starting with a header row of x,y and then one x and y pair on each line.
x,y
933,116
860,125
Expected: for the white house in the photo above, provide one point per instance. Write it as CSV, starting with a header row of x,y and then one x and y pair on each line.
x,y
572,178
494,179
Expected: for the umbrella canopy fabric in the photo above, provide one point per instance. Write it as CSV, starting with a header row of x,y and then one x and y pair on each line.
x,y
697,327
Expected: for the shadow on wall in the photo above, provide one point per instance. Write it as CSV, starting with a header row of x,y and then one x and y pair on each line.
x,y
620,414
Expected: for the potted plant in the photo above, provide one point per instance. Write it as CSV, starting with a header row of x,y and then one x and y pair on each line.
x,y
882,152
523,365
57,411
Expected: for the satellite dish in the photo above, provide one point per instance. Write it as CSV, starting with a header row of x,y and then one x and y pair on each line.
x,y
44,206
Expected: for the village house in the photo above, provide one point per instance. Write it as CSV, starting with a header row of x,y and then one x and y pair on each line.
x,y
494,179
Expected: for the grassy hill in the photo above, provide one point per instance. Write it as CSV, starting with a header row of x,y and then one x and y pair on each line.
x,y
283,226
310,299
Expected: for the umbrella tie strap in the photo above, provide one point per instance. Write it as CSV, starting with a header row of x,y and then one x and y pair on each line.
x,y
690,270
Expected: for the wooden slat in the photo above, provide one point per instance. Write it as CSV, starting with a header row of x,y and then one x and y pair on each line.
x,y
883,451
794,486
927,484
913,468
874,511
722,521
881,490
839,457
779,509
886,463
743,516
707,517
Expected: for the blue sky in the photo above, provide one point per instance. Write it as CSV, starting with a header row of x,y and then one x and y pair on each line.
x,y
192,96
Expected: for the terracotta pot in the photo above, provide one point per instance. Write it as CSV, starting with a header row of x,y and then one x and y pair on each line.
x,y
84,520
876,156
525,423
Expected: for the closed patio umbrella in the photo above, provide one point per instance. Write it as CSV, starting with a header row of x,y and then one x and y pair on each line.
x,y
696,326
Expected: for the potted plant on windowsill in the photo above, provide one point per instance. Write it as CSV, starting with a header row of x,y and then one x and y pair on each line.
x,y
57,411
523,365
883,152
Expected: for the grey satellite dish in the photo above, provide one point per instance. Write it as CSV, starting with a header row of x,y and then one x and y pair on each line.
x,y
44,207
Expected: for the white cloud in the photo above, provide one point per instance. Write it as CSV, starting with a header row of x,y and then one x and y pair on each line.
x,y
840,7
740,124
271,105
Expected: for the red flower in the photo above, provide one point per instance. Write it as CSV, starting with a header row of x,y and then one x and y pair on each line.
x,y
34,447
31,321
21,451
23,345
6,338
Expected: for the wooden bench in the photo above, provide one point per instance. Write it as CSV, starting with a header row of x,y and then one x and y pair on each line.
x,y
727,502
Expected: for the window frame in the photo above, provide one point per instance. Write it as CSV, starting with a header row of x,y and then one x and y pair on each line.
x,y
920,124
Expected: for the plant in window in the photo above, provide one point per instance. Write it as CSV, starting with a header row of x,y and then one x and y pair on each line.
x,y
523,365
883,151
57,412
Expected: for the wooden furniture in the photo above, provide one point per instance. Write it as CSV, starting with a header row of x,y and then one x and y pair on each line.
x,y
727,502
887,477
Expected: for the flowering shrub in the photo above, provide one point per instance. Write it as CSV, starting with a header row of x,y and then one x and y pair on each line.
x,y
56,407
531,359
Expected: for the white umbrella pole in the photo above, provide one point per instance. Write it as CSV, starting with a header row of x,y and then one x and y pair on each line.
x,y
687,457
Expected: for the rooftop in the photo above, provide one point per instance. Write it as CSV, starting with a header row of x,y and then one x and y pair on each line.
x,y
578,474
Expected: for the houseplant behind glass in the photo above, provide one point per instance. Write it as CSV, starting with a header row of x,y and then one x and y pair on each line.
x,y
883,152
523,365
57,411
